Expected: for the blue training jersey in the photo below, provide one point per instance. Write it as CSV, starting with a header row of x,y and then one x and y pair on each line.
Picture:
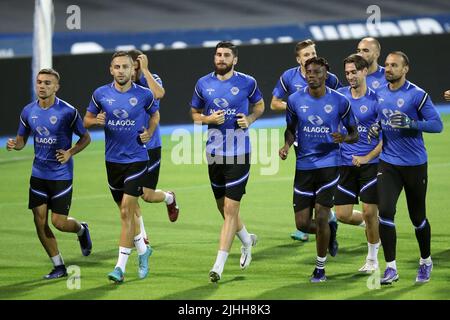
x,y
233,96
51,129
365,110
316,119
126,116
292,80
405,147
376,79
155,140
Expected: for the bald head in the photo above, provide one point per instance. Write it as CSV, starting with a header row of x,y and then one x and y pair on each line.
x,y
369,48
373,41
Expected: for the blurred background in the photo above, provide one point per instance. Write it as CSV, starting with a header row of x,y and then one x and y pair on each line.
x,y
179,36
174,15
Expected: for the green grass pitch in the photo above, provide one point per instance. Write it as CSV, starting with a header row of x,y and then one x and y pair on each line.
x,y
185,251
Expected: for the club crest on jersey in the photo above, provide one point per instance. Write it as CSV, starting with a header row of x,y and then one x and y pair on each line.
x,y
133,101
328,108
34,118
234,91
110,101
304,108
221,103
363,109
400,102
120,113
53,119
209,90
43,131
375,84
316,120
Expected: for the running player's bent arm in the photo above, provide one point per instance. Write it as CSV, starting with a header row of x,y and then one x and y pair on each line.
x,y
90,120
153,123
258,110
375,152
359,160
291,125
82,143
429,119
352,135
277,104
447,95
17,144
432,121
289,137
217,117
198,116
157,90
289,133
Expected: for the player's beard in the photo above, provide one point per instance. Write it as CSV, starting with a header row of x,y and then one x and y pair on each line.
x,y
391,79
224,70
370,60
124,80
354,84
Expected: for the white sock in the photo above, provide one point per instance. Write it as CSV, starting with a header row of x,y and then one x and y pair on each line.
x,y
426,261
373,248
222,257
140,244
124,253
244,236
81,231
391,264
320,262
141,223
57,260
168,198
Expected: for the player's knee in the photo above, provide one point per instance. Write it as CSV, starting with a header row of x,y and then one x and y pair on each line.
x,y
322,214
40,217
230,209
59,222
302,223
303,226
419,222
40,222
149,196
344,216
229,214
125,213
369,212
321,221
386,211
